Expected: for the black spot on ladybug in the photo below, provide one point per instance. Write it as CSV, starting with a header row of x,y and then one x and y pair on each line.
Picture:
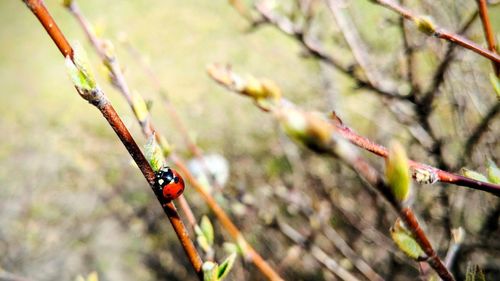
x,y
176,179
178,192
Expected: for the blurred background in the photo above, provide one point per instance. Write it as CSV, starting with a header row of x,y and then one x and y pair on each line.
x,y
72,202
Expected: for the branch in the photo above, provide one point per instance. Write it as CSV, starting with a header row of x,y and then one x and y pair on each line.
x,y
148,127
103,50
429,28
422,173
438,77
100,101
488,32
351,36
320,135
287,27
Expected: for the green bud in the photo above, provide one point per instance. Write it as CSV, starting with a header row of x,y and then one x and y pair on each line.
x,y
67,3
165,146
207,229
210,270
294,123
405,241
493,172
140,108
253,88
154,154
109,49
310,129
271,90
226,266
78,70
425,25
397,172
473,175
495,82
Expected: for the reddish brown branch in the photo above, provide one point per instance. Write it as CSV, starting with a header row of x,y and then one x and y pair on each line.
x,y
370,174
432,258
226,222
321,138
39,10
442,176
440,32
148,127
488,32
226,77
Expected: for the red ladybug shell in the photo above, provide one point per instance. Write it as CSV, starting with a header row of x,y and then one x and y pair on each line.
x,y
170,183
175,188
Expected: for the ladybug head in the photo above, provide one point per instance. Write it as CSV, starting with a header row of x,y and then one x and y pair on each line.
x,y
164,176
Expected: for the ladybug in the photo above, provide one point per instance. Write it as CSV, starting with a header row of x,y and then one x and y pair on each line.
x,y
170,183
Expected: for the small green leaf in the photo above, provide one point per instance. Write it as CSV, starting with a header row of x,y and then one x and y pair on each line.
x,y
226,266
210,270
493,172
154,154
495,82
78,76
79,69
473,175
405,241
140,108
397,172
207,229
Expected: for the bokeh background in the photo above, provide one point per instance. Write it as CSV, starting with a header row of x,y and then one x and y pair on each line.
x,y
71,202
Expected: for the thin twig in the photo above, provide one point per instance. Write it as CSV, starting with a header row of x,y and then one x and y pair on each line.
x,y
348,252
440,32
315,251
120,83
409,52
148,126
354,42
287,27
488,32
225,77
441,69
39,10
478,132
367,172
173,113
